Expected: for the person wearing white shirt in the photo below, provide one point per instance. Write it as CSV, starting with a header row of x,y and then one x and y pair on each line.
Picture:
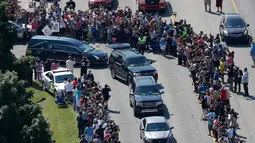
x,y
69,90
230,133
245,81
70,63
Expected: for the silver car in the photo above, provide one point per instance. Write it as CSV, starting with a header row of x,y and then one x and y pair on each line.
x,y
53,81
156,129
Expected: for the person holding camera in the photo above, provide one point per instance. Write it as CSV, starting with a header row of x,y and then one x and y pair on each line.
x,y
106,94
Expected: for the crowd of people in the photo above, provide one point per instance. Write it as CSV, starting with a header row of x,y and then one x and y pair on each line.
x,y
207,57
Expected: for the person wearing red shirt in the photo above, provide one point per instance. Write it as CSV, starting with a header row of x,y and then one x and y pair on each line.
x,y
75,82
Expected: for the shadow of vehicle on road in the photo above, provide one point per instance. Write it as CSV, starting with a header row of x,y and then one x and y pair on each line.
x,y
166,114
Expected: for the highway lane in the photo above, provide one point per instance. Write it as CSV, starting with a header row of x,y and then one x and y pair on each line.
x,y
209,23
183,109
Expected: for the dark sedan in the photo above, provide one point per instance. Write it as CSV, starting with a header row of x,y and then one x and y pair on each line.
x,y
233,27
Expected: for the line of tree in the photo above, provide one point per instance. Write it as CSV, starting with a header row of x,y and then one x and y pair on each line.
x,y
21,120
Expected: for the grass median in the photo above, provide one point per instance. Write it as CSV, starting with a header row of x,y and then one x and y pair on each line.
x,y
62,120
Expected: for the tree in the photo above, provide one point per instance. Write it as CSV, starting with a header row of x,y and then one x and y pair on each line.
x,y
24,67
21,120
7,37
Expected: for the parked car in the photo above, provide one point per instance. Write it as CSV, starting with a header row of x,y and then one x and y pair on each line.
x,y
53,81
145,96
60,48
126,63
155,5
233,27
156,129
104,3
19,27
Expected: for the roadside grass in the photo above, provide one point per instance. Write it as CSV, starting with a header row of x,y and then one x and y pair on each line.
x,y
62,120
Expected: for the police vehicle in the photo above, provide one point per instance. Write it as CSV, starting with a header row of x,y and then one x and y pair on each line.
x,y
126,63
145,96
53,81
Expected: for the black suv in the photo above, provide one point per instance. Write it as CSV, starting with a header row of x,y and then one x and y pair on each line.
x,y
60,48
126,63
145,96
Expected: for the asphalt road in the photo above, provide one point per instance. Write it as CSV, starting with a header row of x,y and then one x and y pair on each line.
x,y
183,110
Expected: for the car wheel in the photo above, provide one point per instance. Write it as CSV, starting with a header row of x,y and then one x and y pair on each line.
x,y
55,93
113,73
43,87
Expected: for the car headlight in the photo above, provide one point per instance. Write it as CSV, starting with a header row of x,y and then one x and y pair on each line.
x,y
147,139
225,32
138,103
159,103
91,2
96,57
137,74
245,32
155,72
161,1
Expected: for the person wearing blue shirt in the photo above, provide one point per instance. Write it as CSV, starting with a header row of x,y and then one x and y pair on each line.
x,y
216,76
89,133
210,118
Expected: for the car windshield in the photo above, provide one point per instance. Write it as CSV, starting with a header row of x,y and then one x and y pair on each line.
x,y
61,78
147,90
140,61
234,23
151,127
85,47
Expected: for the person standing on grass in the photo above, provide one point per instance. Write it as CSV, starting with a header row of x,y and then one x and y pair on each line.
x,y
69,90
245,81
80,125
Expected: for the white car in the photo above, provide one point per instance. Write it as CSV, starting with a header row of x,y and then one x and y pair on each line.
x,y
53,81
156,129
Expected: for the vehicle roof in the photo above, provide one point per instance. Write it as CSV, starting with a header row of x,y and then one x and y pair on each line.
x,y
73,41
119,46
233,16
156,119
61,71
144,81
127,53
